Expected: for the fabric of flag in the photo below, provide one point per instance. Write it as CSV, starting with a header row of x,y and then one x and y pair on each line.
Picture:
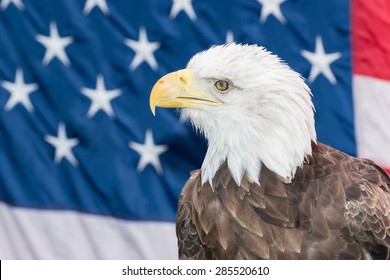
x,y
371,79
86,170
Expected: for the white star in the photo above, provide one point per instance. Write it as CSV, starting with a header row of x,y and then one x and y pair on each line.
x,y
100,97
63,146
271,7
18,3
19,91
90,4
320,61
229,37
182,5
149,153
143,50
55,45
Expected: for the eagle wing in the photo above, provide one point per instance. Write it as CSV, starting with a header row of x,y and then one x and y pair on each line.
x,y
357,187
368,208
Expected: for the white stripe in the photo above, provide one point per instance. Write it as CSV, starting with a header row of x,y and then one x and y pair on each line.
x,y
372,118
44,234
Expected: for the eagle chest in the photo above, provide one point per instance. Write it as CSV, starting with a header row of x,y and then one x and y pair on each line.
x,y
272,220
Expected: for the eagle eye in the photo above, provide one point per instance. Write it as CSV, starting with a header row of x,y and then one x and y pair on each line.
x,y
222,85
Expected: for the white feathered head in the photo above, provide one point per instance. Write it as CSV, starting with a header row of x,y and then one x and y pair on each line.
x,y
250,105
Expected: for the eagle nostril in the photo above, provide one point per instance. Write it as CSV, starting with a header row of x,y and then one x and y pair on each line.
x,y
182,80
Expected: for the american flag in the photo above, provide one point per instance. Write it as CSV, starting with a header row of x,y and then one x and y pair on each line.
x,y
87,172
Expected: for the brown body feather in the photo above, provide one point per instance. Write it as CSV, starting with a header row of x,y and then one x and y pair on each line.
x,y
336,207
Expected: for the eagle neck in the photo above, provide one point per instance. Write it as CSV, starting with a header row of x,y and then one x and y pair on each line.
x,y
246,150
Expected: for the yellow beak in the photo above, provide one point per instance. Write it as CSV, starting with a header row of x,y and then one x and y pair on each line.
x,y
178,90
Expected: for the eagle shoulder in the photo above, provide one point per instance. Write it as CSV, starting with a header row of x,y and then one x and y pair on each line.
x,y
364,197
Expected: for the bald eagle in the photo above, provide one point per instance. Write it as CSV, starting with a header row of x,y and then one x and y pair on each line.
x,y
267,189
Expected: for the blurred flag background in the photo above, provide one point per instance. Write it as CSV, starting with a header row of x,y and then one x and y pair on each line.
x,y
87,172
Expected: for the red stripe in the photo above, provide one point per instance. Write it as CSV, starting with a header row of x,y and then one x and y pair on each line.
x,y
371,38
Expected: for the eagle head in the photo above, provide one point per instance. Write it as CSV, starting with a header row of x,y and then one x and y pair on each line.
x,y
251,106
